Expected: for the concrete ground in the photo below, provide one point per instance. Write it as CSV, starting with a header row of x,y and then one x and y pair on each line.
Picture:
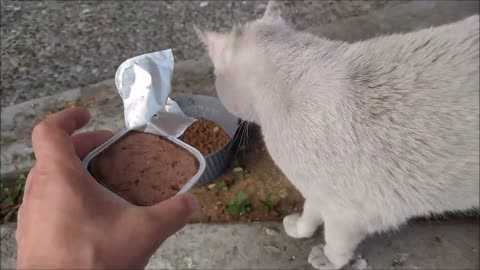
x,y
265,246
28,73
50,46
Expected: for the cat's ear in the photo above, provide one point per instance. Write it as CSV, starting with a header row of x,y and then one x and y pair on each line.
x,y
215,43
273,10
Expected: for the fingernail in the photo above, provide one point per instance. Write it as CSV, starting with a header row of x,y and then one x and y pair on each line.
x,y
192,202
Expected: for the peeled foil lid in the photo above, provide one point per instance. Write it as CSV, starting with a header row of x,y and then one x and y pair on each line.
x,y
144,84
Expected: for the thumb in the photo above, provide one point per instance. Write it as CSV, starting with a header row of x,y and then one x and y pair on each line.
x,y
168,217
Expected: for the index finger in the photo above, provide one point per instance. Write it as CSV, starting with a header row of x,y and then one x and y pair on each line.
x,y
51,137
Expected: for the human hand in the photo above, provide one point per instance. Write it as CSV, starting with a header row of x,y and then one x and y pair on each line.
x,y
68,221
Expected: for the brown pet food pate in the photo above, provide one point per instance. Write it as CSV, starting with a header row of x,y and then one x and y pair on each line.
x,y
144,169
206,136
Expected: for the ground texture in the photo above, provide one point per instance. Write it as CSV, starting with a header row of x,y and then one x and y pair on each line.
x,y
50,46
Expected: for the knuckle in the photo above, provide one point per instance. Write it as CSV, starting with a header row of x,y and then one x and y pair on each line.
x,y
41,129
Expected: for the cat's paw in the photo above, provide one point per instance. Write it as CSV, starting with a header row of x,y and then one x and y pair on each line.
x,y
319,260
295,227
337,258
290,225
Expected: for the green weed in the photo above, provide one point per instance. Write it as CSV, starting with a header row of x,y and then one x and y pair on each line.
x,y
221,186
268,203
240,205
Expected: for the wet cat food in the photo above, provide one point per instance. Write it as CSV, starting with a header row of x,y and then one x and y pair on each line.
x,y
144,169
206,136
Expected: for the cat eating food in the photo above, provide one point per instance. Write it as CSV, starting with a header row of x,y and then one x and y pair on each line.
x,y
371,133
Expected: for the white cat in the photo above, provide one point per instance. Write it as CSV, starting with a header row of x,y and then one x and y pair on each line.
x,y
371,133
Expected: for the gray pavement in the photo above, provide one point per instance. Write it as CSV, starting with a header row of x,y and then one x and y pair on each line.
x,y
50,46
265,246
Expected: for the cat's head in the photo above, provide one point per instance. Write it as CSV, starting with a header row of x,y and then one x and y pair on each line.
x,y
239,64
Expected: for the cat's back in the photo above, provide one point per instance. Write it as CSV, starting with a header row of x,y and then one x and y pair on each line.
x,y
395,116
432,58
415,105
430,76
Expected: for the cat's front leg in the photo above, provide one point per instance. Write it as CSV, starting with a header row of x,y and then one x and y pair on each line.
x,y
342,235
305,225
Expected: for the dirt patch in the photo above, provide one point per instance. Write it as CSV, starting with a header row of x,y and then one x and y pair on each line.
x,y
253,189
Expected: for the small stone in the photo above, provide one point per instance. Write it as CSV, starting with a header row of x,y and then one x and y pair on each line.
x,y
397,263
211,186
203,4
292,258
85,11
237,169
189,262
216,129
271,231
272,248
401,260
283,194
360,264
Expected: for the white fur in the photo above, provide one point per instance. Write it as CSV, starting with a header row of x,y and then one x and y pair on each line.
x,y
371,133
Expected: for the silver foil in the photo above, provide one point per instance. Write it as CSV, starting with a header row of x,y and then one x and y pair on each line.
x,y
144,84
